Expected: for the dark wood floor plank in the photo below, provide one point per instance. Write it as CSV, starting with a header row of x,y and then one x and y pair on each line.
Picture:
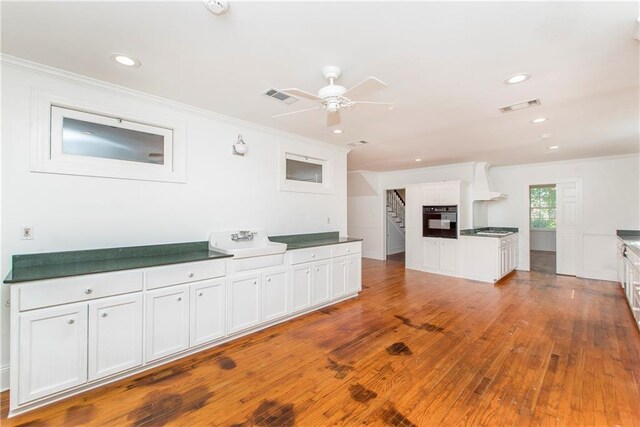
x,y
413,349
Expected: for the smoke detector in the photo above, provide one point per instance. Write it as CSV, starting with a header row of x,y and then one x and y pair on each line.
x,y
217,7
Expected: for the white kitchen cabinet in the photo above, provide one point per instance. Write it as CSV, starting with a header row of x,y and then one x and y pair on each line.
x,y
207,311
338,277
441,194
321,281
440,255
449,255
488,259
167,321
300,287
275,295
354,274
431,253
115,335
52,352
243,302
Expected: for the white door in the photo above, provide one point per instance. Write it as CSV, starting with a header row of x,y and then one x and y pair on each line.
x,y
354,279
243,303
431,253
275,295
338,277
115,335
167,321
567,210
207,312
300,287
53,351
449,255
321,281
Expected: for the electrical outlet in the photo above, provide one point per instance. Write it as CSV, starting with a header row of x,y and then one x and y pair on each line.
x,y
328,220
26,232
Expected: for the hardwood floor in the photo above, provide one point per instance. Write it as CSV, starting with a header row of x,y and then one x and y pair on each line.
x,y
543,261
413,349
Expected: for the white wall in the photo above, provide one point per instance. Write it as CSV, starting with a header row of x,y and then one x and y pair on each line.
x,y
610,201
223,192
542,240
395,238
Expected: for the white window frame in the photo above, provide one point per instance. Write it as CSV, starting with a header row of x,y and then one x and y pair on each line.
x,y
324,187
47,155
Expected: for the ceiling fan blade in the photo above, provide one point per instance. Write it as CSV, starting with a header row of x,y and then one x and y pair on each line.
x,y
389,105
333,119
365,87
301,94
297,112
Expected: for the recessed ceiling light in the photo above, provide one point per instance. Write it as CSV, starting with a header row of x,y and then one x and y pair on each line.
x,y
518,78
337,131
126,60
554,147
545,136
418,160
539,120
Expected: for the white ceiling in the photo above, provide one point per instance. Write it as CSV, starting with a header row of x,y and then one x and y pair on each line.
x,y
444,62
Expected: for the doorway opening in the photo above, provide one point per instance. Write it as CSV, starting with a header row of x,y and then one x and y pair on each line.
x,y
395,224
542,228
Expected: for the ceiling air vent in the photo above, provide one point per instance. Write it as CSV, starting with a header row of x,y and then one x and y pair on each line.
x,y
520,106
282,97
357,143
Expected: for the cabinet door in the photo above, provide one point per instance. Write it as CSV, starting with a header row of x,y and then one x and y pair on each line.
x,y
338,277
504,260
167,321
53,351
321,282
354,276
431,253
450,194
275,295
300,287
207,312
431,195
243,303
115,335
449,255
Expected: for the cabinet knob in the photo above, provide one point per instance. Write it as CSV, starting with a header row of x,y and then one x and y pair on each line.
x,y
200,294
342,262
269,279
88,291
317,268
313,255
255,282
190,275
71,321
179,298
348,250
350,262
103,315
307,271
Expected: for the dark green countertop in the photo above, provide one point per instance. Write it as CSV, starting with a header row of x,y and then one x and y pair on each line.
x,y
302,241
631,239
474,231
54,265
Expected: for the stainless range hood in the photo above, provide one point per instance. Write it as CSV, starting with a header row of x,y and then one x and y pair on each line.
x,y
482,188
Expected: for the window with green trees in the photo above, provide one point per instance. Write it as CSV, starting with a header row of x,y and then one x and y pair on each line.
x,y
542,207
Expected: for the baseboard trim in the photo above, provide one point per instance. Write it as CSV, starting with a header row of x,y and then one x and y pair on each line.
x,y
4,378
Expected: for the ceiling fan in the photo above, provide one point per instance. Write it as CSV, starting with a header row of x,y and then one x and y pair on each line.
x,y
335,97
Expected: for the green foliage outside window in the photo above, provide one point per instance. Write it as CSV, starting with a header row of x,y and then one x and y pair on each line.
x,y
542,203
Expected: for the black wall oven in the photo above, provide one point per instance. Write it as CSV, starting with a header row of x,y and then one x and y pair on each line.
x,y
440,221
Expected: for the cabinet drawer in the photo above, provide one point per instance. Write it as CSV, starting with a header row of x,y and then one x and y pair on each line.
x,y
62,291
346,249
311,254
184,273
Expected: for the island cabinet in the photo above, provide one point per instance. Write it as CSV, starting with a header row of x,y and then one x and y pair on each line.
x,y
489,259
73,334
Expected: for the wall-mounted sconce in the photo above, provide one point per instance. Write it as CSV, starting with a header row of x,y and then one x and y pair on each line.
x,y
239,148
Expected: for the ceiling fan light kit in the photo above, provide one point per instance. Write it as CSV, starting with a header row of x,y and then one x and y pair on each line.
x,y
334,97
